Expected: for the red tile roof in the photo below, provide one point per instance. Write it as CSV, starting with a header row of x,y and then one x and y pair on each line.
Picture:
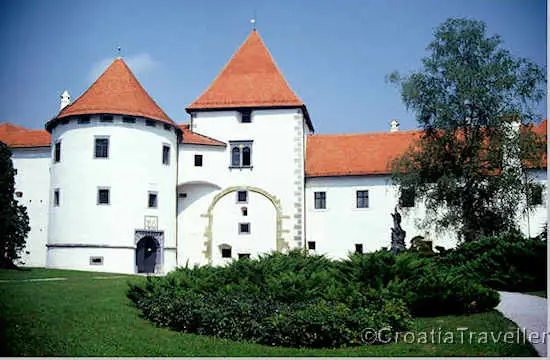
x,y
190,137
355,154
116,91
19,137
364,154
250,79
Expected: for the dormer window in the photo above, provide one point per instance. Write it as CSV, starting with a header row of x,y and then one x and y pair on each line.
x,y
246,116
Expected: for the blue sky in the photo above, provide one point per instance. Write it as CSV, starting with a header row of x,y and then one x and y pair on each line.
x,y
334,54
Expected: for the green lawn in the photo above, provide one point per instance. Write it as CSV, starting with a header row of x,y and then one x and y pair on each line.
x,y
541,293
83,316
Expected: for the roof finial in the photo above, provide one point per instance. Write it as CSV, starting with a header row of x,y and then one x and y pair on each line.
x,y
118,51
253,22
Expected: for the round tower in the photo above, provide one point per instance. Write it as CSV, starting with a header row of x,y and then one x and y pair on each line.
x,y
113,180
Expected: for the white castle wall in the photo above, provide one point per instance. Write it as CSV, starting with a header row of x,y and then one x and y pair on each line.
x,y
33,180
134,168
341,225
277,169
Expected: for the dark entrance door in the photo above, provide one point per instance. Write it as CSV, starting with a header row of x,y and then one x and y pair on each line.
x,y
146,255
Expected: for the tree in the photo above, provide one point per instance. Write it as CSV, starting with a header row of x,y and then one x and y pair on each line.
x,y
14,221
474,102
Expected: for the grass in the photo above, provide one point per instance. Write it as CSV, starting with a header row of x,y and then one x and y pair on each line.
x,y
540,293
83,316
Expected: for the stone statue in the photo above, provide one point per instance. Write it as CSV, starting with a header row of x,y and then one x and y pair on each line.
x,y
397,234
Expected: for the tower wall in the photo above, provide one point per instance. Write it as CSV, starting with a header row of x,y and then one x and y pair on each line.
x,y
134,168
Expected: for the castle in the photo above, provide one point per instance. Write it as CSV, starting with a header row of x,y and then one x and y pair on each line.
x,y
115,185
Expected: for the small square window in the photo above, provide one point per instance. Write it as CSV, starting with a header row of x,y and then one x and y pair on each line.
x,y
359,248
106,118
153,199
407,198
19,194
166,155
57,151
84,119
198,160
244,228
96,260
320,200
246,116
362,200
129,119
150,123
311,245
56,197
244,256
14,171
103,196
166,127
242,196
101,148
534,194
226,252
244,211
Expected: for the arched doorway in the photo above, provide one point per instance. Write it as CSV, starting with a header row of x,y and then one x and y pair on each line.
x,y
147,255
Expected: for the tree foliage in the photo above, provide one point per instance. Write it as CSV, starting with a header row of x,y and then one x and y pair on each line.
x,y
14,221
470,97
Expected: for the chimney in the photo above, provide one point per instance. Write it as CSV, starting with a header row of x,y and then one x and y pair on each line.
x,y
394,126
65,99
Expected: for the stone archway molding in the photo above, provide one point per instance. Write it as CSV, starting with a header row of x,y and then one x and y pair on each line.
x,y
281,243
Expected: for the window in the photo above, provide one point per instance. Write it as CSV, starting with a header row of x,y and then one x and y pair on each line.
x,y
166,154
64,121
244,211
14,171
103,196
241,153
226,252
242,196
246,116
244,228
166,127
359,248
153,199
534,194
311,245
362,199
320,200
198,160
407,198
57,151
150,123
129,119
96,260
102,148
19,194
84,119
56,197
244,256
106,118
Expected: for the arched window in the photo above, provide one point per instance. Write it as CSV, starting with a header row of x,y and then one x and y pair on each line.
x,y
236,156
241,154
246,156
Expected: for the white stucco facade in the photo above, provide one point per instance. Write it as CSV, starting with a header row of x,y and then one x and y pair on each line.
x,y
32,183
133,169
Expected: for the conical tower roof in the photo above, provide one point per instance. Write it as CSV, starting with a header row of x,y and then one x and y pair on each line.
x,y
116,91
250,79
